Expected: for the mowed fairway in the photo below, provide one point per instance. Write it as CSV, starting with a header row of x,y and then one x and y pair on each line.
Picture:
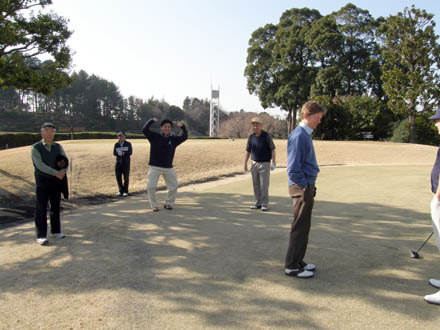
x,y
212,263
195,161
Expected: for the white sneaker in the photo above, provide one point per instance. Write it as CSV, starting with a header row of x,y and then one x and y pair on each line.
x,y
42,241
310,267
59,235
254,207
118,194
433,298
434,283
264,208
125,194
298,273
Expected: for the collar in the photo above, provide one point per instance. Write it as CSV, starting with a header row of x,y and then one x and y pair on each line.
x,y
261,133
46,144
307,128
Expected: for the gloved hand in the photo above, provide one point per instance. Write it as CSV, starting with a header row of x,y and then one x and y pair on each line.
x,y
273,166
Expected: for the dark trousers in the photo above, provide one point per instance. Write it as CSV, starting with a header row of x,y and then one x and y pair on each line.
x,y
302,219
122,169
47,190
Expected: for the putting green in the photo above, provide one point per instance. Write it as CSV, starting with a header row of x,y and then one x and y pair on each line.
x,y
212,263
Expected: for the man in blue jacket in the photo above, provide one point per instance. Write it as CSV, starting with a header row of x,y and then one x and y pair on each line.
x,y
302,170
162,149
122,150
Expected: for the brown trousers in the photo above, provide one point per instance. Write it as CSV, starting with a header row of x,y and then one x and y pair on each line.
x,y
302,219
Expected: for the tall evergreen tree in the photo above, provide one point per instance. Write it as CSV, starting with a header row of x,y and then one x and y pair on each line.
x,y
411,56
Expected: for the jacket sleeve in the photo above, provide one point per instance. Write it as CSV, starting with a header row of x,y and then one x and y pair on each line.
x,y
130,149
146,130
65,187
295,160
114,150
182,138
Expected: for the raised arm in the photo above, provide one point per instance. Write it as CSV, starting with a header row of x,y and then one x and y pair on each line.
x,y
184,136
146,129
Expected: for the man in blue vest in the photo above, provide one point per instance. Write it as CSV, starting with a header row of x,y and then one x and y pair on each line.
x,y
47,178
122,150
261,149
302,170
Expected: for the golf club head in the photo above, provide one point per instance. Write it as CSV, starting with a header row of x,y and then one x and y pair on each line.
x,y
415,255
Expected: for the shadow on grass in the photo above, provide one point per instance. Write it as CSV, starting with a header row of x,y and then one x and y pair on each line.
x,y
212,246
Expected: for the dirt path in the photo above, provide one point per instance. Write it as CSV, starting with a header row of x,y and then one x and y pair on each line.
x,y
212,263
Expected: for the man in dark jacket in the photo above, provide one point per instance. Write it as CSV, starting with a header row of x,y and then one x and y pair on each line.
x,y
122,150
47,178
162,149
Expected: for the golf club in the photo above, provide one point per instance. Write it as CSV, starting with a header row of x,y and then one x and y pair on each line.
x,y
415,254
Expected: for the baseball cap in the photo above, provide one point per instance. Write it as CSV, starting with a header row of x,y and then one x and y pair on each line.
x,y
256,120
47,124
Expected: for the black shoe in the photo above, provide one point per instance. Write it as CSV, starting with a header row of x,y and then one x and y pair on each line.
x,y
168,207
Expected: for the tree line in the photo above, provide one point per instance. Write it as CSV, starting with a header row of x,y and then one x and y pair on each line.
x,y
374,75
378,77
96,104
93,103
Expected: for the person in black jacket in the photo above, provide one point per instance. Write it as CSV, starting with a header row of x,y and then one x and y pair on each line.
x,y
122,150
162,149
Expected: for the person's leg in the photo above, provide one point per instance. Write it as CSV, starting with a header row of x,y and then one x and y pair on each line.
x,y
264,173
256,183
299,233
152,179
170,177
435,217
55,199
126,174
41,212
118,174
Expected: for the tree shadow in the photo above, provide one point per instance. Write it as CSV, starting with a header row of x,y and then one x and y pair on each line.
x,y
213,251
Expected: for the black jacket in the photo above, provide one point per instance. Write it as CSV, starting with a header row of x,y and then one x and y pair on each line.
x,y
62,162
162,148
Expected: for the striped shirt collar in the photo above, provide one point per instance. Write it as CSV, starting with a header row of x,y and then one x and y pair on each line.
x,y
307,128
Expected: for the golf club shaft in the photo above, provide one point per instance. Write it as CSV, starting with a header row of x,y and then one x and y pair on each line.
x,y
425,242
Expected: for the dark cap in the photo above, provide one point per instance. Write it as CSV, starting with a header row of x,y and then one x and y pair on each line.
x,y
47,124
166,121
121,134
436,116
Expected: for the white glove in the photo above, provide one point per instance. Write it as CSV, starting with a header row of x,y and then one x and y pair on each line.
x,y
273,166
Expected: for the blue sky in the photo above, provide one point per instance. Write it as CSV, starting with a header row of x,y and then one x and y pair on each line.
x,y
172,49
